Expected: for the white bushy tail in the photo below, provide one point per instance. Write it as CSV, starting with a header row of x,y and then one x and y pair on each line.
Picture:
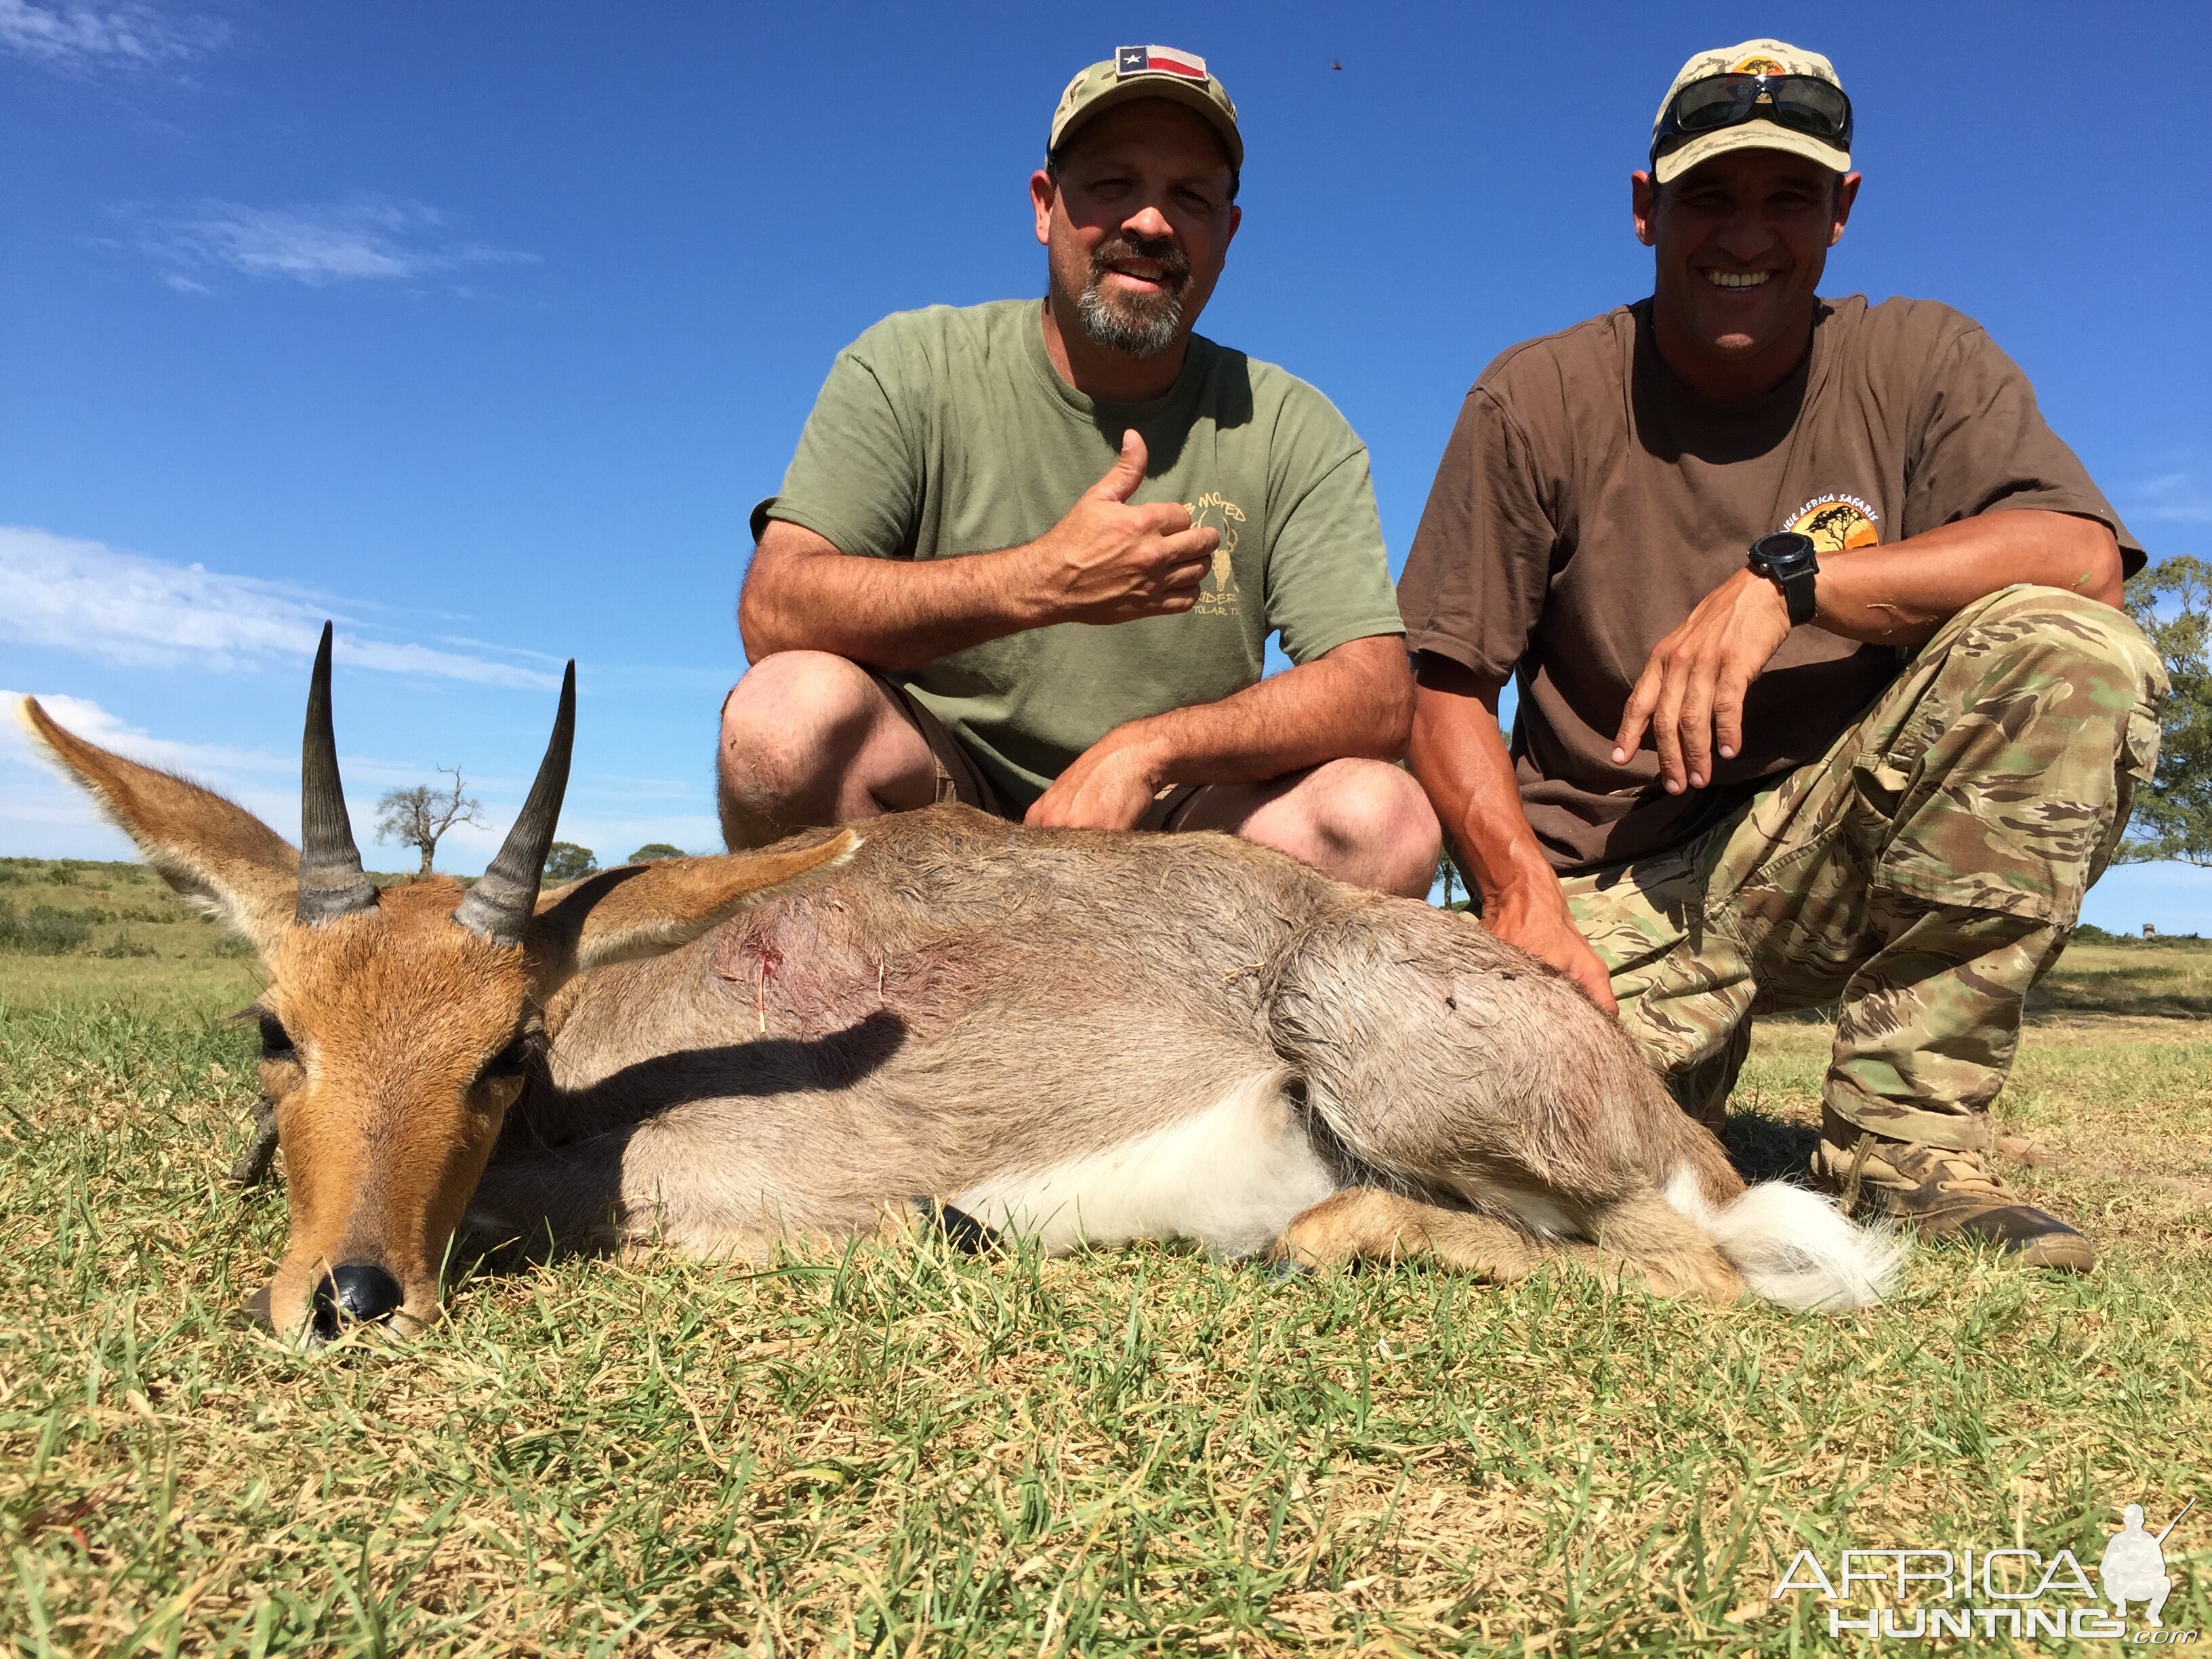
x,y
1793,1246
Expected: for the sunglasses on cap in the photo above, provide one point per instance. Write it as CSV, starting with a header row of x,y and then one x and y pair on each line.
x,y
1804,103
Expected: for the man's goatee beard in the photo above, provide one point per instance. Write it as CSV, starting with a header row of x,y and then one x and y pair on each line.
x,y
1140,330
1138,326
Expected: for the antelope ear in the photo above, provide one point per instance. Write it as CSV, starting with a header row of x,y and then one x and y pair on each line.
x,y
219,856
621,916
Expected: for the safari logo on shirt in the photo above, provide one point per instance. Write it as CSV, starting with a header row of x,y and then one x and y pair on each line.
x,y
1216,589
1837,523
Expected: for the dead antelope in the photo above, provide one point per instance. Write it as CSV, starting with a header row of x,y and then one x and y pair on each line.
x,y
1085,1036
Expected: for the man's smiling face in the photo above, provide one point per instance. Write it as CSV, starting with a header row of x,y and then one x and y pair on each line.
x,y
1741,242
1137,219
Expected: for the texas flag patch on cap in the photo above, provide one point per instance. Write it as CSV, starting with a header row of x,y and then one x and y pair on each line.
x,y
1158,60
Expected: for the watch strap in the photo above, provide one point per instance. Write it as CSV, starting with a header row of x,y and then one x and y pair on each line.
x,y
1798,592
1788,560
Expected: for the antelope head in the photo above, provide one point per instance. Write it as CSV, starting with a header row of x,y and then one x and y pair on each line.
x,y
399,1027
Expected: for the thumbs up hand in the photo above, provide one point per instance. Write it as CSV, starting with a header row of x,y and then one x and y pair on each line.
x,y
1106,561
1127,471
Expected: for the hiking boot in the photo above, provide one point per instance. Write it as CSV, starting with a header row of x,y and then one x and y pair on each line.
x,y
1941,1193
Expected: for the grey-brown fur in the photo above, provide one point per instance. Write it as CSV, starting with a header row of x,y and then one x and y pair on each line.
x,y
965,999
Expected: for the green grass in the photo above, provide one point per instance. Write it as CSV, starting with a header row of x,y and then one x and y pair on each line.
x,y
895,1451
2172,978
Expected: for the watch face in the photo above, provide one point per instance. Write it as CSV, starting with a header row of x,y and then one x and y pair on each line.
x,y
1785,552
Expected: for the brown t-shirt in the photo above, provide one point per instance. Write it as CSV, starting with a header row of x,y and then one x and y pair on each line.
x,y
1587,500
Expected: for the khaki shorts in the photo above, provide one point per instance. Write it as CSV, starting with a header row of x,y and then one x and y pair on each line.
x,y
958,777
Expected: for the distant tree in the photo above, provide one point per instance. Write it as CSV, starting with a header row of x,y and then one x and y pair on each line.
x,y
419,817
565,861
2171,602
1448,872
653,851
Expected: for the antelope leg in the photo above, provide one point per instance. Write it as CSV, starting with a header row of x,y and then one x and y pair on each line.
x,y
1368,1223
1643,1236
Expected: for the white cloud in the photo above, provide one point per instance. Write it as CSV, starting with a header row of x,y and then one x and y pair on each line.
x,y
93,601
80,596
131,35
94,724
222,764
366,239
2171,498
44,814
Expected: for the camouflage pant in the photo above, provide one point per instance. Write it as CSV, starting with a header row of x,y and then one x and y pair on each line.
x,y
1922,875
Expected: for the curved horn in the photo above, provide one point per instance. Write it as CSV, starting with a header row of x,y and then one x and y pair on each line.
x,y
499,905
331,880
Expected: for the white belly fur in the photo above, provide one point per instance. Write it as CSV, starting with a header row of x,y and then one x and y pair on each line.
x,y
1230,1178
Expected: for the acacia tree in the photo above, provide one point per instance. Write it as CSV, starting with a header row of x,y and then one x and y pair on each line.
x,y
419,817
2171,602
565,861
653,851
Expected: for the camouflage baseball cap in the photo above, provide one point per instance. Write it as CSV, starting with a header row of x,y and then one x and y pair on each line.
x,y
1147,72
1750,58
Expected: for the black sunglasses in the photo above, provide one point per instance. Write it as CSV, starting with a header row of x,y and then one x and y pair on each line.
x,y
1804,103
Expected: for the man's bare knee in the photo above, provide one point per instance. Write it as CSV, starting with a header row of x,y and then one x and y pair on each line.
x,y
792,714
1378,815
1361,821
809,738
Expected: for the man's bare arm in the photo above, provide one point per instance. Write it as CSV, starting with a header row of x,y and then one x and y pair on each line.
x,y
1104,563
1356,701
802,593
1690,695
1458,756
1902,593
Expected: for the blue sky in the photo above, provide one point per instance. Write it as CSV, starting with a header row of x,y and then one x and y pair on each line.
x,y
483,327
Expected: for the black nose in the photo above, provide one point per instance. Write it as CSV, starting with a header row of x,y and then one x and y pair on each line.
x,y
355,1290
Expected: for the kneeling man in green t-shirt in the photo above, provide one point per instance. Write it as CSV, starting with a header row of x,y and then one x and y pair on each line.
x,y
1028,555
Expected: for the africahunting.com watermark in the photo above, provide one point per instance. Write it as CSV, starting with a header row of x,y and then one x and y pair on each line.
x,y
2018,1593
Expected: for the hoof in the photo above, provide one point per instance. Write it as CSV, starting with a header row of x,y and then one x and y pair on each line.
x,y
962,1230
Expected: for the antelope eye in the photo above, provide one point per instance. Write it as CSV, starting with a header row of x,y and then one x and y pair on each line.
x,y
510,1061
276,1041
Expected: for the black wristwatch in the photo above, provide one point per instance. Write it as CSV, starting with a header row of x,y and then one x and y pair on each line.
x,y
1787,559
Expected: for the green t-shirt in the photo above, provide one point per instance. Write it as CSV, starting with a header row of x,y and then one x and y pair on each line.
x,y
948,431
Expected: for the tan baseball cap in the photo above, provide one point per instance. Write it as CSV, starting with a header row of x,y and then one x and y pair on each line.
x,y
1147,72
1749,58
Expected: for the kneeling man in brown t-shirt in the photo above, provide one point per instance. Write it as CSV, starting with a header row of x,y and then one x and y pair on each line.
x,y
1824,694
